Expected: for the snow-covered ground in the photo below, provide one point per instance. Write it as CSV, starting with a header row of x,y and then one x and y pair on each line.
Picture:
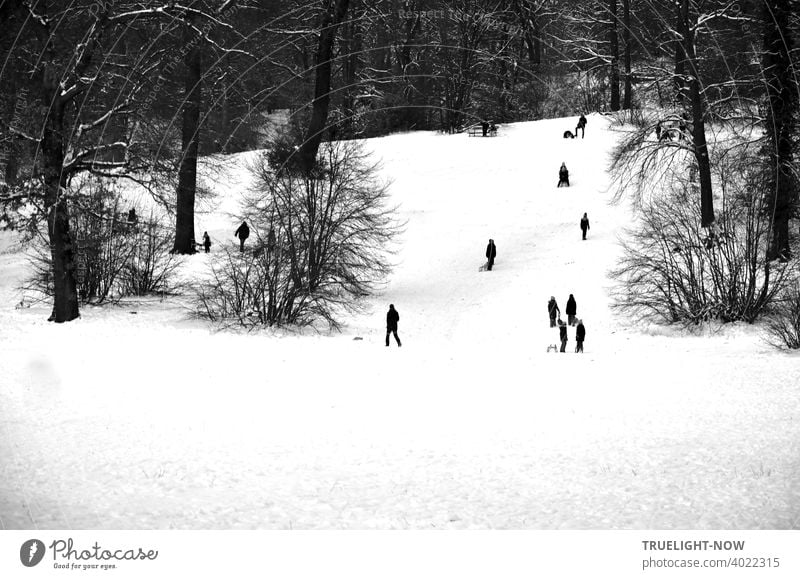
x,y
139,417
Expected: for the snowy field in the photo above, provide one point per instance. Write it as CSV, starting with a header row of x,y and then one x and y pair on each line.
x,y
152,420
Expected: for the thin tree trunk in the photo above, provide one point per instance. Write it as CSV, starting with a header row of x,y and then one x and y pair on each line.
x,y
681,16
335,11
626,34
698,121
613,40
780,126
65,292
190,135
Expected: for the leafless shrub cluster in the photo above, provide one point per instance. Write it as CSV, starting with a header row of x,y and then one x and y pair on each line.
x,y
321,243
117,254
783,326
674,270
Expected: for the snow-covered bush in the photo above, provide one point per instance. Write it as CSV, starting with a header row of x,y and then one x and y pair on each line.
x,y
784,325
321,243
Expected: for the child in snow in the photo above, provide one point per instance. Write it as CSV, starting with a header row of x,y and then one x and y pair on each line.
x,y
563,175
580,334
553,311
491,253
206,242
584,225
571,309
562,334
392,317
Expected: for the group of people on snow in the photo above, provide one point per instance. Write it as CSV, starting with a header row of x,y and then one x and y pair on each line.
x,y
393,317
563,172
554,314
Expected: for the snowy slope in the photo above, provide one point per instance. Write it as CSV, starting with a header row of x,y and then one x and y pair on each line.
x,y
153,420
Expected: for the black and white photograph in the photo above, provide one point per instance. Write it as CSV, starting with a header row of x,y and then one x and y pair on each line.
x,y
245,281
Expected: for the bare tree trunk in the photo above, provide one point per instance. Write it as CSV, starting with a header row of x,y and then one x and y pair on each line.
x,y
335,11
681,16
190,135
613,40
626,34
698,120
65,292
780,126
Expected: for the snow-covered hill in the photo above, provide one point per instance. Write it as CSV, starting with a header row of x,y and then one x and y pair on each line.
x,y
139,417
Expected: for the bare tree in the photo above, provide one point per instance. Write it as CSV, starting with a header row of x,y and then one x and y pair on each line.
x,y
322,242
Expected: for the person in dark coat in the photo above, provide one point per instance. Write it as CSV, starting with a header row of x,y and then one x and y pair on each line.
x,y
491,253
553,311
581,126
206,242
658,130
580,334
563,176
584,225
571,309
562,334
485,127
392,317
132,218
242,232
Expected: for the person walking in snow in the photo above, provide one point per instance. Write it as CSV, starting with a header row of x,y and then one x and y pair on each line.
x,y
392,317
491,253
553,311
584,225
562,334
581,126
485,127
571,309
580,334
242,232
206,242
563,175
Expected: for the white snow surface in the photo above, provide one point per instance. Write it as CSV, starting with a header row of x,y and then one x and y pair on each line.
x,y
154,420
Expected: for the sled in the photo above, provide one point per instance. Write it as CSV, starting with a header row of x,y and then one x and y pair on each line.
x,y
484,267
553,347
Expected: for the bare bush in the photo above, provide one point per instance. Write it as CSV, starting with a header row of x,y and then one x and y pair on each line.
x,y
321,243
116,254
783,326
150,267
674,270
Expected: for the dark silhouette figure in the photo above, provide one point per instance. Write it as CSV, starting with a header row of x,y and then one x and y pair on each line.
x,y
658,130
553,311
485,127
581,126
206,242
563,176
584,225
132,216
580,334
568,135
562,334
491,253
492,128
392,317
242,232
572,307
